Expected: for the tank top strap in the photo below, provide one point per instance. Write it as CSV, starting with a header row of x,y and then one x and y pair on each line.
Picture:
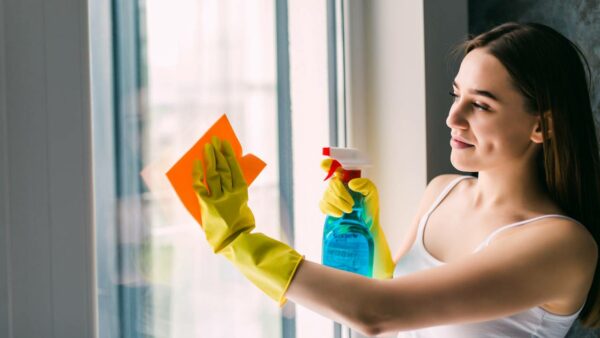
x,y
445,192
491,236
437,202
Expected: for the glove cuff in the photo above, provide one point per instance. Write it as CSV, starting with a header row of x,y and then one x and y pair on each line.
x,y
383,264
267,263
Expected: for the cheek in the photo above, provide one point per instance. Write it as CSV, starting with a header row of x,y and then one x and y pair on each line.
x,y
510,141
489,137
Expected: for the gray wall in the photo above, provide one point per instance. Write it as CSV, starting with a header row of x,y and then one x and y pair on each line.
x,y
577,20
445,25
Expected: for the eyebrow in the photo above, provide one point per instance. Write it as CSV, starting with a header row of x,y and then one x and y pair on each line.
x,y
480,92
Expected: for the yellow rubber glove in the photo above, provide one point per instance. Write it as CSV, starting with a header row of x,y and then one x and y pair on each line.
x,y
227,222
337,201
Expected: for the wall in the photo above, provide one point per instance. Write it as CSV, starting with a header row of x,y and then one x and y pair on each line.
x,y
446,25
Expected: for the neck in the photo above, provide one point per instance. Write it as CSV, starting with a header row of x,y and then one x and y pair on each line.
x,y
508,187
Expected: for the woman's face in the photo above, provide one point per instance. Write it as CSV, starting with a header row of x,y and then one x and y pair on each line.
x,y
488,113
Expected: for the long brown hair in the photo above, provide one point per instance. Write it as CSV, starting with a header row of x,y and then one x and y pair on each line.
x,y
548,70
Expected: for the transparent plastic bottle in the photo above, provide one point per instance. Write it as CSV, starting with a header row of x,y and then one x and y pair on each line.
x,y
347,242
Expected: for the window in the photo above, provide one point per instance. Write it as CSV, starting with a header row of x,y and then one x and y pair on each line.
x,y
44,157
169,71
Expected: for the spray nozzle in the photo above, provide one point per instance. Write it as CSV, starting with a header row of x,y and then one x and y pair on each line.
x,y
351,161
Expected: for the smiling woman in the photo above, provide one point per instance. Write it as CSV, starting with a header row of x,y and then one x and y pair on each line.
x,y
547,71
501,122
511,253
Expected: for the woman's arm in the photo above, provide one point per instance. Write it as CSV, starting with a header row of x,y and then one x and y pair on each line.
x,y
544,262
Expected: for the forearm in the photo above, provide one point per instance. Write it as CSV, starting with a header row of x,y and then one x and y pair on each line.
x,y
345,297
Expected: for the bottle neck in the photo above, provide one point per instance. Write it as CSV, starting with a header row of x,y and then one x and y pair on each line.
x,y
347,175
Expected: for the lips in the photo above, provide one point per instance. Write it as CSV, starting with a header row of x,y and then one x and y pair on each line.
x,y
462,140
459,142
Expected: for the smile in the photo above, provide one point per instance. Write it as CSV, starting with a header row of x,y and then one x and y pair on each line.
x,y
454,143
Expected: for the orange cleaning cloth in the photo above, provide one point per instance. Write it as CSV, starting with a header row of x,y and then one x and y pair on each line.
x,y
180,175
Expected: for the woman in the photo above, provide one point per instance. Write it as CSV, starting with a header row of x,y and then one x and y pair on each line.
x,y
511,252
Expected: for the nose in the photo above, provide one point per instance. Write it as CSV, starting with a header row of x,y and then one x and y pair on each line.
x,y
456,117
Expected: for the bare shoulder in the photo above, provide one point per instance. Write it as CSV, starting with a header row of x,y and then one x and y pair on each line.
x,y
559,236
437,184
567,236
442,180
566,246
432,190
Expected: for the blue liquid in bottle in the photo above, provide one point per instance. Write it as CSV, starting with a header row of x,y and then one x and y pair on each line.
x,y
347,242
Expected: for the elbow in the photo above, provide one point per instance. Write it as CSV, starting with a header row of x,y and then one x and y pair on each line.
x,y
370,329
366,329
370,314
370,319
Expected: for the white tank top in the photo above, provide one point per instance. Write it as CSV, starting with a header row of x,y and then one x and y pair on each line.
x,y
534,322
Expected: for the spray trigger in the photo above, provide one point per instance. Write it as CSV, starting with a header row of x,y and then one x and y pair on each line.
x,y
335,164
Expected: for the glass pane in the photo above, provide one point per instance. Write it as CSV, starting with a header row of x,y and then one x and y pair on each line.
x,y
179,66
206,58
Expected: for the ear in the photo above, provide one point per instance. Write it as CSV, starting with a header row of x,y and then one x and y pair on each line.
x,y
537,135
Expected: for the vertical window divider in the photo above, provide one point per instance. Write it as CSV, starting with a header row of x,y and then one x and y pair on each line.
x,y
332,72
103,152
284,124
333,91
336,65
128,120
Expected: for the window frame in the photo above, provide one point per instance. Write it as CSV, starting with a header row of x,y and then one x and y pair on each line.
x,y
118,81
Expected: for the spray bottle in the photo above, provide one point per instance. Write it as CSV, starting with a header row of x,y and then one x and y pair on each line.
x,y
347,242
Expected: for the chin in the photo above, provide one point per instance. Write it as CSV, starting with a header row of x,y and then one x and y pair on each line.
x,y
463,165
465,169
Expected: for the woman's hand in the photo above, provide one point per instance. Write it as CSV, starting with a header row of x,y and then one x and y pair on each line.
x,y
228,223
337,200
224,198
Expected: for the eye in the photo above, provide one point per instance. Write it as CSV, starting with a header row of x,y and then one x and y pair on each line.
x,y
475,104
454,96
480,107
